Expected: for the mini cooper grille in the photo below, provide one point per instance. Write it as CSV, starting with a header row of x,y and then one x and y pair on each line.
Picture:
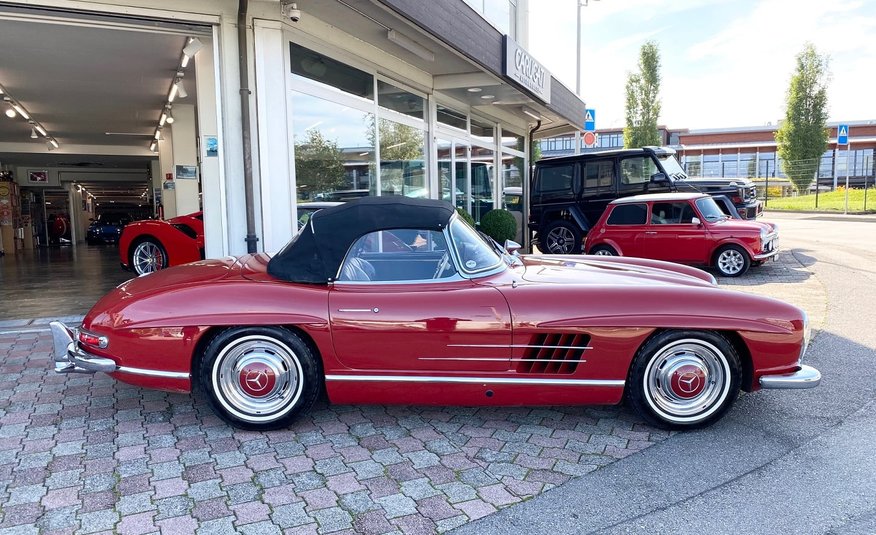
x,y
554,353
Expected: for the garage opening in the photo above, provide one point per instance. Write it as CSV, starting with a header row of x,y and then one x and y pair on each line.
x,y
106,121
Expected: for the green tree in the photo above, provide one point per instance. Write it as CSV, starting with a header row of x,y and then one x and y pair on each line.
x,y
802,137
643,100
319,165
402,169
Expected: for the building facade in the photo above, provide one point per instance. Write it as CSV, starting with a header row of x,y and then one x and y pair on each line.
x,y
346,98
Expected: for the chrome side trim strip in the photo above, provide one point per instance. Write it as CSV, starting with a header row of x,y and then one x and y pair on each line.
x,y
518,345
154,373
476,380
497,360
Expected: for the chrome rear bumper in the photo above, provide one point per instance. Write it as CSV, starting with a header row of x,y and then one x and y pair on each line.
x,y
69,358
805,377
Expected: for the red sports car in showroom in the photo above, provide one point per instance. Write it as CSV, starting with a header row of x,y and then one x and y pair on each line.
x,y
152,244
689,228
449,319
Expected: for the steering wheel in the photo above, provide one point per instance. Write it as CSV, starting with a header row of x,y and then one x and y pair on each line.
x,y
443,264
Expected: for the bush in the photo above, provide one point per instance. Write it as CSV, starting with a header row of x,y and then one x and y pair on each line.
x,y
499,224
466,216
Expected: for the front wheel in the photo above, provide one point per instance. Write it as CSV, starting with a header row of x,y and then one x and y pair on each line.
x,y
684,379
561,237
259,378
732,261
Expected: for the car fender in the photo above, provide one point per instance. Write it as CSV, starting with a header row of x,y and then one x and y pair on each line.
x,y
731,241
605,241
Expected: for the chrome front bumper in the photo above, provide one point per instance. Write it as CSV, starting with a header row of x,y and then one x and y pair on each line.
x,y
69,358
805,377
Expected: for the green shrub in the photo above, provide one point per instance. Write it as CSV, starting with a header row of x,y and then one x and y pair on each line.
x,y
466,216
499,224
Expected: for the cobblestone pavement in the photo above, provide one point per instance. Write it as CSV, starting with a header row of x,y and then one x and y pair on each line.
x,y
87,454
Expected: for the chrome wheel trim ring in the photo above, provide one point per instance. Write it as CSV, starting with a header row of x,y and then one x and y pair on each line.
x,y
560,240
147,258
603,252
265,351
693,353
730,261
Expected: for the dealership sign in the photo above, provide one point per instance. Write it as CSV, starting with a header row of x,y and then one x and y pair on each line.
x,y
522,68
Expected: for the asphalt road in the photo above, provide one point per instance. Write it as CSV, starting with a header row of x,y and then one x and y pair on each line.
x,y
781,461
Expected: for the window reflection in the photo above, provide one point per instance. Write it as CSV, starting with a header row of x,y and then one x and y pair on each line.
x,y
393,98
334,149
402,161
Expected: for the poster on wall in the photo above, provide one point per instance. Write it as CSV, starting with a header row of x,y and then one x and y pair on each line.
x,y
38,177
211,146
186,171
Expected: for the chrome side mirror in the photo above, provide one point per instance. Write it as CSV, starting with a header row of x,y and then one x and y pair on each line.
x,y
696,221
512,247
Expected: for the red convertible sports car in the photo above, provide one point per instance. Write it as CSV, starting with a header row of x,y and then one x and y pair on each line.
x,y
451,318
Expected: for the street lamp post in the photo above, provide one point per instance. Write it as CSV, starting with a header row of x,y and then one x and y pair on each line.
x,y
581,3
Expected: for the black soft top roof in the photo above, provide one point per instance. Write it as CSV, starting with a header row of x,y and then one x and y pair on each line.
x,y
315,254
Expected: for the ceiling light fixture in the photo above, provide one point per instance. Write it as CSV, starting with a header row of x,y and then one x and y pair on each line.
x,y
14,109
488,97
177,89
53,142
474,90
410,45
530,112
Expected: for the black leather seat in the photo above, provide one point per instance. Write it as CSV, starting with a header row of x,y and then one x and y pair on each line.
x,y
356,269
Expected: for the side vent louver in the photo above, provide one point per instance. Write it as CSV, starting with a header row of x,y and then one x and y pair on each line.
x,y
554,353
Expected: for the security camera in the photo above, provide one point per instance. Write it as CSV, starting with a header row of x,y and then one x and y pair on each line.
x,y
291,11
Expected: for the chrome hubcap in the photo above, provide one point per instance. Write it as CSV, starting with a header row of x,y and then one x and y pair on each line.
x,y
687,380
560,240
257,378
730,262
603,252
148,258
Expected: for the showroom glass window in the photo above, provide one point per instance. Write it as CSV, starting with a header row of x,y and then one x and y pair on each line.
x,y
353,132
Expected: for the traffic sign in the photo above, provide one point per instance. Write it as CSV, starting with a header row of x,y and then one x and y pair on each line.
x,y
842,134
589,120
589,138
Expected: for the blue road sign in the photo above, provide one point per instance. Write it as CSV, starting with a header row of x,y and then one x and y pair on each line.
x,y
842,134
589,120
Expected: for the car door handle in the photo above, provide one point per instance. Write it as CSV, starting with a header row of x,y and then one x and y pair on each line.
x,y
651,232
374,310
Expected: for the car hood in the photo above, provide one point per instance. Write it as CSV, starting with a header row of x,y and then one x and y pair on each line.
x,y
743,225
603,271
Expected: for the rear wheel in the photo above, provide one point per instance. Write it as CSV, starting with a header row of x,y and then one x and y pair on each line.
x,y
603,250
259,377
147,256
732,261
561,237
684,379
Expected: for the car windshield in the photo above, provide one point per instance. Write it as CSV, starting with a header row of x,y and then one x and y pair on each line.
x,y
475,254
710,210
671,166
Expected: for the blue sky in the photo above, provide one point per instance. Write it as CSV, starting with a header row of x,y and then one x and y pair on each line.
x,y
725,63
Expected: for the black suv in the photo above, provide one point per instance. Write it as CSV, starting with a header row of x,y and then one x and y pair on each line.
x,y
570,193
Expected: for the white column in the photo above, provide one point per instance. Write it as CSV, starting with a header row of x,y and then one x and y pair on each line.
x,y
185,155
165,159
276,164
212,163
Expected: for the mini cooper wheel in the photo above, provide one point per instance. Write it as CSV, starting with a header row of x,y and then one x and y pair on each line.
x,y
732,261
561,237
603,250
259,377
684,379
147,256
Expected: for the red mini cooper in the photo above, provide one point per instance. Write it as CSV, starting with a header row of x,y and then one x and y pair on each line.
x,y
688,228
